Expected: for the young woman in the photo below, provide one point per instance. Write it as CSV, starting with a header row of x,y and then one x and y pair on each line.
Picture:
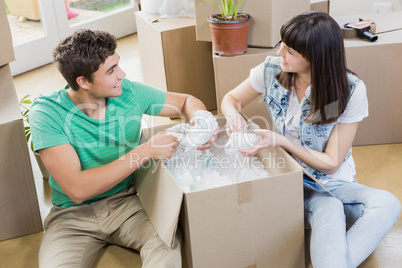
x,y
316,104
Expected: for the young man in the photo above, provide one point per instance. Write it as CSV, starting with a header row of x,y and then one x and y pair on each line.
x,y
88,138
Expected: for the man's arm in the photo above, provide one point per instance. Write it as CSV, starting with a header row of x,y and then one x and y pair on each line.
x,y
64,165
177,104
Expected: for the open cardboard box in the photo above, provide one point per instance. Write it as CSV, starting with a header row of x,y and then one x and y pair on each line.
x,y
258,223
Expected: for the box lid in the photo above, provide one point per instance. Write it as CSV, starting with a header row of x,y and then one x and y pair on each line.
x,y
386,25
166,24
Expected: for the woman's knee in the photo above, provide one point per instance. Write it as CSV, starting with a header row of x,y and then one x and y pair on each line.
x,y
387,203
327,211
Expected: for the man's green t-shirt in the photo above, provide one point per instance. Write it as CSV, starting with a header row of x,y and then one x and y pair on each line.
x,y
55,120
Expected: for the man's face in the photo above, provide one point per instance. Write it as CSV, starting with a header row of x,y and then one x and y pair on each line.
x,y
107,79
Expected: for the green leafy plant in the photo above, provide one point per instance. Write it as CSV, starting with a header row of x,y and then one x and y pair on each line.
x,y
25,104
228,9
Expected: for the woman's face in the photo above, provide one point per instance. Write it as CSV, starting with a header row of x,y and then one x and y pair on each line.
x,y
292,61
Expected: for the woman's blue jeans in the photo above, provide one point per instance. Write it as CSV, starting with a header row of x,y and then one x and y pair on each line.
x,y
346,230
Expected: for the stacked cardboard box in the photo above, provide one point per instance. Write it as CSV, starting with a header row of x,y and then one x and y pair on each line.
x,y
19,208
258,223
173,60
378,65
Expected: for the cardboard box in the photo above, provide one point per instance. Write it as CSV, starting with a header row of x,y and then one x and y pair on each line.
x,y
267,18
319,5
9,104
19,207
25,8
231,71
6,45
259,223
378,65
173,60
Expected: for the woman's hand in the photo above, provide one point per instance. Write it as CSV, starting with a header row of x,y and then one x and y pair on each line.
x,y
268,139
234,123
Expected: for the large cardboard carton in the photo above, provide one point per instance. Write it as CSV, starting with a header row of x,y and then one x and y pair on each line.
x,y
6,44
378,65
252,224
19,207
173,60
267,18
231,71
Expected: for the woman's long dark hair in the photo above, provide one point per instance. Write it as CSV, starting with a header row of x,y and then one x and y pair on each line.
x,y
318,38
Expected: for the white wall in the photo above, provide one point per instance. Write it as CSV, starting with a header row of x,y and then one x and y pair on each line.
x,y
353,7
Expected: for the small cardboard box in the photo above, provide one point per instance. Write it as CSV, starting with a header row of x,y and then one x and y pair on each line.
x,y
258,223
319,5
378,65
172,59
19,207
231,71
6,45
28,8
267,18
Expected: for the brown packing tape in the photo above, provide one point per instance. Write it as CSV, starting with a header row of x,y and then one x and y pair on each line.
x,y
252,266
352,32
244,193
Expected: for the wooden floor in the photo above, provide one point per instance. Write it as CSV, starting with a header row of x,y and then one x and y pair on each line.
x,y
378,166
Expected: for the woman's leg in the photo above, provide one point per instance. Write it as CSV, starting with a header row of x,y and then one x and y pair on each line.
x,y
371,214
325,215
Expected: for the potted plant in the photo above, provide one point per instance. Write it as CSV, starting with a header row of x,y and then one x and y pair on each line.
x,y
24,102
229,29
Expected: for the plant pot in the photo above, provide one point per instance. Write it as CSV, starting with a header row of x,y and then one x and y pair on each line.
x,y
43,169
229,37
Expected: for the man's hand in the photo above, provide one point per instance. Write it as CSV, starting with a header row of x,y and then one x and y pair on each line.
x,y
162,145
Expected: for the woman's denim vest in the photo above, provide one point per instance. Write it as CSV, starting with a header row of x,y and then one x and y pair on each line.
x,y
276,98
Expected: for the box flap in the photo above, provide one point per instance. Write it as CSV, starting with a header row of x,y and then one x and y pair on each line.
x,y
161,198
